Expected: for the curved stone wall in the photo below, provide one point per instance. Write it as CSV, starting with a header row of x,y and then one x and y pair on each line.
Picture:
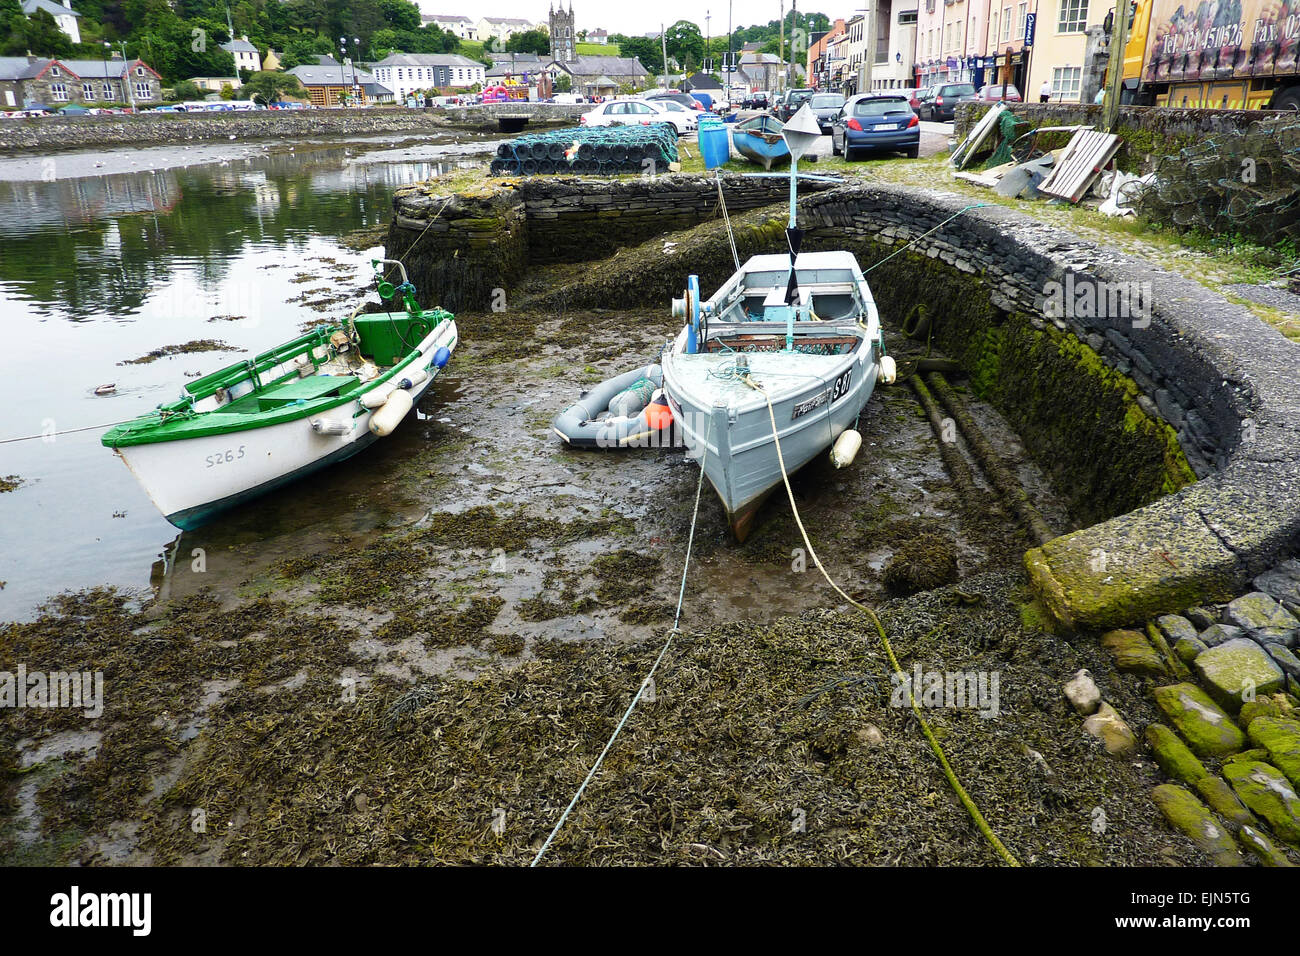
x,y
1224,380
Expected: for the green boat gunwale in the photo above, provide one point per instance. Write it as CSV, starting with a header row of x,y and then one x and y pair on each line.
x,y
157,426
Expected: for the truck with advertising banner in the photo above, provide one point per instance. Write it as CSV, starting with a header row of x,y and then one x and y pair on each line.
x,y
1219,54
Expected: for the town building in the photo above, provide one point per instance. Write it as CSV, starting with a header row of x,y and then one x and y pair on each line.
x,y
63,15
331,83
816,65
405,73
600,75
598,36
29,82
463,27
215,84
245,54
1064,36
564,39
515,67
500,28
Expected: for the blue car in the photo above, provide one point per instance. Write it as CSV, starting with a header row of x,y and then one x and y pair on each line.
x,y
881,122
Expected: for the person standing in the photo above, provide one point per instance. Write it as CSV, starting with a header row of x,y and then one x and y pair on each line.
x,y
1045,92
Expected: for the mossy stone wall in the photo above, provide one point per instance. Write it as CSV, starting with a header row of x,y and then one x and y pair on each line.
x,y
1148,132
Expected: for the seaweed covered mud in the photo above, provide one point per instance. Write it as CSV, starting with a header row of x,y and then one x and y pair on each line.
x,y
434,686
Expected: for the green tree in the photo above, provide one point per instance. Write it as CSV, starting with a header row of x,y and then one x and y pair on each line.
x,y
530,41
563,83
684,42
37,33
227,91
185,90
271,87
644,49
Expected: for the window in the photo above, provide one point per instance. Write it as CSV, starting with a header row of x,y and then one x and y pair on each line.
x,y
87,91
139,71
107,90
59,91
1065,82
1023,11
142,91
54,71
993,31
1074,16
1006,24
907,16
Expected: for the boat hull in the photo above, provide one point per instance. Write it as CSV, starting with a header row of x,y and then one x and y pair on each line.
x,y
755,150
192,480
736,447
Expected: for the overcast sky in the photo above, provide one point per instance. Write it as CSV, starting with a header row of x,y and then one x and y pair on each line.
x,y
634,18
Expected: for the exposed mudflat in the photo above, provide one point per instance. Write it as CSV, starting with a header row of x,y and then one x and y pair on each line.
x,y
416,656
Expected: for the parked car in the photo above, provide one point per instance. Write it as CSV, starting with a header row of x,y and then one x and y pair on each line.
x,y
942,107
641,112
876,121
993,94
690,102
825,106
790,102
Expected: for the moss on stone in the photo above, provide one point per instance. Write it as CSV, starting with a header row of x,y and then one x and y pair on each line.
x,y
1173,756
1187,814
1206,728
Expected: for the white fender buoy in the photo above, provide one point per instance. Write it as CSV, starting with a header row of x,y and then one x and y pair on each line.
x,y
846,448
412,379
376,397
888,370
331,426
390,416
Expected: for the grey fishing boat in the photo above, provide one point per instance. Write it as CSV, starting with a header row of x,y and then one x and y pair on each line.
x,y
798,330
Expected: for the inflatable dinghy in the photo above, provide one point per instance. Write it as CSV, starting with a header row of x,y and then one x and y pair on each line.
x,y
627,411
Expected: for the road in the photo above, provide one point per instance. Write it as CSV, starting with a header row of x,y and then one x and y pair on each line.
x,y
934,137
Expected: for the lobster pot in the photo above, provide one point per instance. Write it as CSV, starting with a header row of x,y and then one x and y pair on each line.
x,y
602,150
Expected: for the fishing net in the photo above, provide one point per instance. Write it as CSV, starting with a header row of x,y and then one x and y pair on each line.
x,y
1242,182
599,150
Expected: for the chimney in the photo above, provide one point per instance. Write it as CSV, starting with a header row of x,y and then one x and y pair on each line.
x,y
117,55
30,58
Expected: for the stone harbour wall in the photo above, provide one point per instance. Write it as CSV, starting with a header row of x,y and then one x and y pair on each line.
x,y
51,133
1208,368
551,219
573,220
1148,132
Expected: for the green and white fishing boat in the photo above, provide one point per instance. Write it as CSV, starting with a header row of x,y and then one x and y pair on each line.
x,y
262,423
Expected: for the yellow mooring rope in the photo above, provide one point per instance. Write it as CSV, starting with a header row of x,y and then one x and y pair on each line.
x,y
962,795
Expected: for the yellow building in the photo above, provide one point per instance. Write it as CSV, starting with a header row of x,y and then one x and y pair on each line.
x,y
1060,42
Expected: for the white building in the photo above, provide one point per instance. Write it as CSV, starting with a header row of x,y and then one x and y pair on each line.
x,y
404,73
463,27
62,13
500,28
245,54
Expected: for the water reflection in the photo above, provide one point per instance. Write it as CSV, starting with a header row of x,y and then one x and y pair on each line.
x,y
99,270
98,246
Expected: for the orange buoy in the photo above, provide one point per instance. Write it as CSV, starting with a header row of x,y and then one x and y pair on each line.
x,y
658,415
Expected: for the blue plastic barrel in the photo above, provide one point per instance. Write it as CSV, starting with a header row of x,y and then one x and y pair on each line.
x,y
714,146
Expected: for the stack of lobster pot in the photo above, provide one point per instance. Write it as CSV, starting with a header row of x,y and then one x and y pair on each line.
x,y
598,150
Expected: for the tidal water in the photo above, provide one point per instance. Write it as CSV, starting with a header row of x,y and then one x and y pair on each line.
x,y
98,269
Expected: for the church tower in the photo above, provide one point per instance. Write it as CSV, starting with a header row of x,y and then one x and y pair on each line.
x,y
563,35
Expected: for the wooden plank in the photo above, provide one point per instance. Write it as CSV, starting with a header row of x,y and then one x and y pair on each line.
x,y
1083,160
963,153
